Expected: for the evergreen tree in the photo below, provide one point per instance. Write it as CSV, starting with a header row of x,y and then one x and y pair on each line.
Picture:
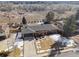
x,y
50,17
70,26
24,21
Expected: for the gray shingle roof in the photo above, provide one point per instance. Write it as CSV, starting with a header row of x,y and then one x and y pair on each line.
x,y
32,29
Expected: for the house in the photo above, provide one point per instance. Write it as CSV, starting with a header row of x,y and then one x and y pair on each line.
x,y
39,30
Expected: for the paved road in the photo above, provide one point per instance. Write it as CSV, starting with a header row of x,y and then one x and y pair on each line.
x,y
73,53
69,54
29,48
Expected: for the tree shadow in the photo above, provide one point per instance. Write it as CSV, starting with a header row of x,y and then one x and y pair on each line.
x,y
57,47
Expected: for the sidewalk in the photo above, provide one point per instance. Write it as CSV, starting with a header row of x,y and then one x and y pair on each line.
x,y
29,49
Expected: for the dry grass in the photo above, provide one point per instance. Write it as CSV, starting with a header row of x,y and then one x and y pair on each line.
x,y
3,45
45,44
31,16
15,53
